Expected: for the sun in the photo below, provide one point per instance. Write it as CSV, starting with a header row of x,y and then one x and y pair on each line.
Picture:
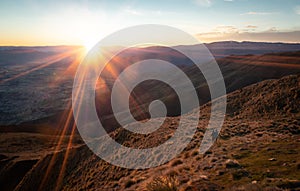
x,y
89,44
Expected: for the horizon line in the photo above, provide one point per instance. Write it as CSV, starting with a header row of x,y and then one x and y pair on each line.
x,y
80,45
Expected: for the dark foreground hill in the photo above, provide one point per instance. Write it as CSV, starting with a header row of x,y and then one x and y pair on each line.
x,y
258,149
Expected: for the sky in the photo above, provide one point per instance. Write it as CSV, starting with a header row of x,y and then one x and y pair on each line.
x,y
85,22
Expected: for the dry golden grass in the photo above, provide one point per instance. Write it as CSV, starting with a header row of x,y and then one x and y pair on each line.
x,y
248,136
163,183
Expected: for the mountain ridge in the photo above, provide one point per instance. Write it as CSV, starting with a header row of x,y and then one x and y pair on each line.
x,y
238,160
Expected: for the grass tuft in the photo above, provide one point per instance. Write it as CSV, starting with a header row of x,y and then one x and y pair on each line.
x,y
163,183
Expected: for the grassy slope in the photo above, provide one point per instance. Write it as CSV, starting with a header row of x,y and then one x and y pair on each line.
x,y
260,132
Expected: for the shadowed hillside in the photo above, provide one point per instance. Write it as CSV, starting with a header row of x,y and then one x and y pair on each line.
x,y
258,148
238,72
42,77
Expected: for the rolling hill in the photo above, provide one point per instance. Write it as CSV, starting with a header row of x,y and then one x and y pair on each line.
x,y
258,148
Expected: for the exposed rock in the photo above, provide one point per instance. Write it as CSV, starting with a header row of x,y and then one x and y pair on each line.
x,y
240,173
272,159
204,177
232,164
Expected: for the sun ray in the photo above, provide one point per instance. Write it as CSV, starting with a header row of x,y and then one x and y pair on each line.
x,y
52,60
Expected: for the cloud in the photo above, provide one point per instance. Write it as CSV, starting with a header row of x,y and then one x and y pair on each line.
x,y
208,3
226,29
143,12
272,29
131,11
258,13
297,10
203,3
251,27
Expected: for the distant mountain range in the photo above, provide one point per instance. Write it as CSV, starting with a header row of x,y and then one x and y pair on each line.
x,y
226,48
44,75
218,49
